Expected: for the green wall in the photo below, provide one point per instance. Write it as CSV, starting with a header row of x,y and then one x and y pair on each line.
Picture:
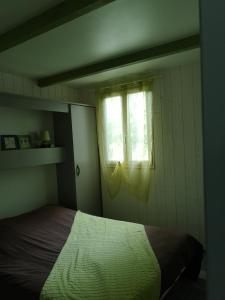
x,y
22,190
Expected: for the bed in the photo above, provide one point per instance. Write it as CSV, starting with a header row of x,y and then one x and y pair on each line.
x,y
30,244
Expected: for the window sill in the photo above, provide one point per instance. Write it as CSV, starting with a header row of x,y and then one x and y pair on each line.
x,y
140,165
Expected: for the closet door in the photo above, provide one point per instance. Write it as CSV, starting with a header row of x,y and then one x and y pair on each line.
x,y
86,159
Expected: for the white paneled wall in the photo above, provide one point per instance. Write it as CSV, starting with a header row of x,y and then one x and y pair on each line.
x,y
176,190
176,197
23,86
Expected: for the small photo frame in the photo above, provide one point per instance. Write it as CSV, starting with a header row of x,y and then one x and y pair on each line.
x,y
9,142
24,141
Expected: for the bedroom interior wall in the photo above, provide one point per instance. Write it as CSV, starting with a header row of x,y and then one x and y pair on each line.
x,y
22,190
24,86
25,189
176,192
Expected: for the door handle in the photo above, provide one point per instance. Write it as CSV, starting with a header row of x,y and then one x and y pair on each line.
x,y
77,170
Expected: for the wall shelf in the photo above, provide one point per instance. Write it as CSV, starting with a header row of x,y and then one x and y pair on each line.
x,y
11,159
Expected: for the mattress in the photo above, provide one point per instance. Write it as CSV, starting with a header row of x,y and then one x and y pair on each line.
x,y
30,244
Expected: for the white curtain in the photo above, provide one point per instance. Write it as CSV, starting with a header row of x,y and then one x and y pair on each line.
x,y
124,115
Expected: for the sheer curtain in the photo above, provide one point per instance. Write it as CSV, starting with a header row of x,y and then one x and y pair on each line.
x,y
124,119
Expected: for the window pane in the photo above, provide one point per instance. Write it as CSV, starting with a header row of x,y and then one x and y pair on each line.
x,y
114,129
137,127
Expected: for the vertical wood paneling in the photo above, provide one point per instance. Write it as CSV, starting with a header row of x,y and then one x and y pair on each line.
x,y
176,190
8,82
27,87
167,115
174,202
189,134
157,193
24,86
179,146
19,85
157,217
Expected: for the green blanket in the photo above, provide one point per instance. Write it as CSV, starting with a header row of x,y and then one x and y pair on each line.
x,y
104,259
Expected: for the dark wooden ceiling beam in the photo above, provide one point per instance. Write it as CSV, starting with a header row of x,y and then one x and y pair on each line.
x,y
58,15
173,47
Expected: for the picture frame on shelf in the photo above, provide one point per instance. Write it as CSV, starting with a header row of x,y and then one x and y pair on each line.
x,y
9,142
24,141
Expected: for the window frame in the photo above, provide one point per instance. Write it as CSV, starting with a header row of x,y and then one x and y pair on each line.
x,y
128,163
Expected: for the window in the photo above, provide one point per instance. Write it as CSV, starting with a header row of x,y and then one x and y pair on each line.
x,y
114,129
124,118
128,131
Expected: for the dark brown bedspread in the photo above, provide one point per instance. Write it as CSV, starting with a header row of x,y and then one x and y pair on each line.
x,y
31,243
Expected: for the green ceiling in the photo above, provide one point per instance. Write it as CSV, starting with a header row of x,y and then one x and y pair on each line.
x,y
116,29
